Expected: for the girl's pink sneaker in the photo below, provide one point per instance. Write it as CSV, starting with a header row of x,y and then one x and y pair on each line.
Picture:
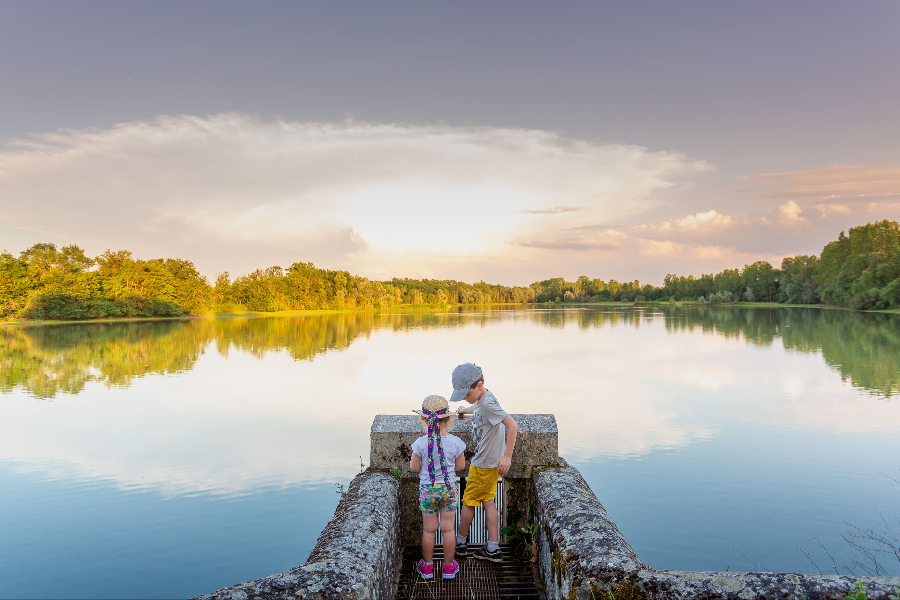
x,y
425,571
451,570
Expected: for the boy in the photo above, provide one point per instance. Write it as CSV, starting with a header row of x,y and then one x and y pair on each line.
x,y
493,455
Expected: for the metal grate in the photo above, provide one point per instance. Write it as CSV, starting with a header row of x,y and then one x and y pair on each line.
x,y
478,529
477,579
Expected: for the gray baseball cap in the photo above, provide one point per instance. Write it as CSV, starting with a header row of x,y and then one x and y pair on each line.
x,y
463,378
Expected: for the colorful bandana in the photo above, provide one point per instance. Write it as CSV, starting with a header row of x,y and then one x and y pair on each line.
x,y
434,436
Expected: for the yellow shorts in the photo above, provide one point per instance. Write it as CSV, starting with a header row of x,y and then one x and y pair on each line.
x,y
481,486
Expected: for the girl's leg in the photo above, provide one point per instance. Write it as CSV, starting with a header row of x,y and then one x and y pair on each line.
x,y
448,532
429,528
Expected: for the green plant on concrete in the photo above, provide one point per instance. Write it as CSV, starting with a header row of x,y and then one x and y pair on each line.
x,y
857,593
521,537
395,473
339,489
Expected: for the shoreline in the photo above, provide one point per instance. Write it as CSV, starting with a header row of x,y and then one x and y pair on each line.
x,y
404,309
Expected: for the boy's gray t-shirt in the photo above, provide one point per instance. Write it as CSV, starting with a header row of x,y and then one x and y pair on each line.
x,y
488,433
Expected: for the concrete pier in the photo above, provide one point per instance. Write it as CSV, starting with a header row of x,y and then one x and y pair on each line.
x,y
581,554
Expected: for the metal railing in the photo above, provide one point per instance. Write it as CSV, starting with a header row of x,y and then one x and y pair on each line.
x,y
478,530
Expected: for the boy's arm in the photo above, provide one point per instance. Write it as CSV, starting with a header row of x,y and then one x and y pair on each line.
x,y
415,463
512,428
465,410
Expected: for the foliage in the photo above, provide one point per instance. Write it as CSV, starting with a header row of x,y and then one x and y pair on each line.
x,y
521,537
857,593
859,271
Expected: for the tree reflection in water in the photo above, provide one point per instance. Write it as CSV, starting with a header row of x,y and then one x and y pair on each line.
x,y
45,361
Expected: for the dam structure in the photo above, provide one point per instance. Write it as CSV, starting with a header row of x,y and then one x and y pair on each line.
x,y
367,550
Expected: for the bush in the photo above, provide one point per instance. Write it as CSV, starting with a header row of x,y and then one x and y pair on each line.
x,y
162,308
103,308
889,295
55,305
864,300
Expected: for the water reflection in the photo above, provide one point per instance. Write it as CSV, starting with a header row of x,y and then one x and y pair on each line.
x,y
671,413
46,361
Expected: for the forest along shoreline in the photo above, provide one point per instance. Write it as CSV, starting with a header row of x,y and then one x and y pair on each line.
x,y
859,271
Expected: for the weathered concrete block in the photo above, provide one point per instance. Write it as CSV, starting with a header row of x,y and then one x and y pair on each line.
x,y
537,443
582,555
355,558
657,584
578,543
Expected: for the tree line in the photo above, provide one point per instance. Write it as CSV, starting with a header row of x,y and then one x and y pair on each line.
x,y
860,270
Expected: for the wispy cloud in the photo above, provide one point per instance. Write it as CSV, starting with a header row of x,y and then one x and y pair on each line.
x,y
553,210
701,220
840,181
577,243
234,191
841,209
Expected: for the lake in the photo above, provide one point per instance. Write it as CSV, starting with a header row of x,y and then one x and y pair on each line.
x,y
170,458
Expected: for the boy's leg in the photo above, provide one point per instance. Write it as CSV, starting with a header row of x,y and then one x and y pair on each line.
x,y
491,551
448,532
429,528
465,519
492,520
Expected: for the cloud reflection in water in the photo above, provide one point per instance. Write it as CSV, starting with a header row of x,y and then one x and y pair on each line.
x,y
252,404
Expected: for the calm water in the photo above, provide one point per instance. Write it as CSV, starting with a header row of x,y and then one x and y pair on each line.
x,y
172,458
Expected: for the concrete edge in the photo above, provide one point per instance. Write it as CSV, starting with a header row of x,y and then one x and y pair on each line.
x,y
582,555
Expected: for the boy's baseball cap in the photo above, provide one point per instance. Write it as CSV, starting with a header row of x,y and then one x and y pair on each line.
x,y
463,377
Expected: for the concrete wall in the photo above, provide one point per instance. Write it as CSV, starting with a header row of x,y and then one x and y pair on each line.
x,y
537,443
356,556
582,555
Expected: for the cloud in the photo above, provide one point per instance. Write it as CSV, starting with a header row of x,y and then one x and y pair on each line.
x,y
841,181
554,210
702,220
232,191
789,213
657,248
576,243
841,209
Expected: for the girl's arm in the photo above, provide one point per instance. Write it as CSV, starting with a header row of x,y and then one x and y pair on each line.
x,y
460,462
415,463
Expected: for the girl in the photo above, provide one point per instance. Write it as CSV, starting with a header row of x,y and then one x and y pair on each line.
x,y
438,486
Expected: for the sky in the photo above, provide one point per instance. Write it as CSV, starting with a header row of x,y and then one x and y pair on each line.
x,y
505,142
